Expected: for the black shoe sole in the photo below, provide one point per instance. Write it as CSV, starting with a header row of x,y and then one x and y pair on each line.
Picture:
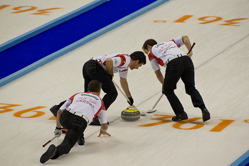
x,y
205,116
48,154
180,117
81,144
178,120
81,141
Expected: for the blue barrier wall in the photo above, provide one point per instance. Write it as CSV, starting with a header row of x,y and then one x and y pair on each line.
x,y
58,40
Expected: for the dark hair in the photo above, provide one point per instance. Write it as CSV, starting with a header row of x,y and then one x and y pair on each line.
x,y
138,55
94,86
150,42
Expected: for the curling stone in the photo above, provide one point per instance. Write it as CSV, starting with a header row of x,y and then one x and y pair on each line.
x,y
130,114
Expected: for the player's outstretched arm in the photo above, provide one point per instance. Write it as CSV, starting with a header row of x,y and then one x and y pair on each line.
x,y
159,76
103,129
187,43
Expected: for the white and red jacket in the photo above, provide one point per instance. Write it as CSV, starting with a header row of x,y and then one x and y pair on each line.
x,y
160,53
120,63
88,104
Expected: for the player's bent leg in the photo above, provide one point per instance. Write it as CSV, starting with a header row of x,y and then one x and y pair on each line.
x,y
55,108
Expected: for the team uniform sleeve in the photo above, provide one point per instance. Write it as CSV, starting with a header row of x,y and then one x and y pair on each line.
x,y
102,117
102,114
178,41
154,64
66,104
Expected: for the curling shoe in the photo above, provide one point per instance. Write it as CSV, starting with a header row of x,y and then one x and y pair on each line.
x,y
81,140
205,114
180,117
48,154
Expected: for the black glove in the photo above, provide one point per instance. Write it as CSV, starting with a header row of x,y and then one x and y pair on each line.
x,y
130,101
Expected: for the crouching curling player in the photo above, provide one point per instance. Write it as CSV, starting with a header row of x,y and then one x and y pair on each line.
x,y
75,114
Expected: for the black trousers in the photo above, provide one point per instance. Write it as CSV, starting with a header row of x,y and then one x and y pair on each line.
x,y
183,68
93,71
76,126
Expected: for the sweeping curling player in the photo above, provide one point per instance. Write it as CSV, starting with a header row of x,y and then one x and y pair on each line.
x,y
152,110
